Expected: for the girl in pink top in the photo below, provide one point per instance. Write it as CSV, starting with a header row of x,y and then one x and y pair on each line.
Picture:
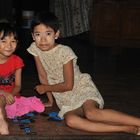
x,y
11,104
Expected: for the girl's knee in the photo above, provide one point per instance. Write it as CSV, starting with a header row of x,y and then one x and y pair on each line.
x,y
70,120
94,114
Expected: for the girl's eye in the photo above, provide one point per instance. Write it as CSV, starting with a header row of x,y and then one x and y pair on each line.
x,y
36,34
14,41
48,33
3,41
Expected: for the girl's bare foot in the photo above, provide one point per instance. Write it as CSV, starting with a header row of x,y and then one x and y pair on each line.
x,y
3,124
138,131
132,130
4,127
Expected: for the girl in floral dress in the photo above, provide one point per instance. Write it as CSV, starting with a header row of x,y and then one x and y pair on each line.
x,y
80,102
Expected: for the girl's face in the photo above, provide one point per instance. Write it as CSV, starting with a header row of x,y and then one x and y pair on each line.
x,y
44,37
7,45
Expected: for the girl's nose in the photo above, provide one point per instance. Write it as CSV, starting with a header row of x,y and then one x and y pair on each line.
x,y
43,38
9,45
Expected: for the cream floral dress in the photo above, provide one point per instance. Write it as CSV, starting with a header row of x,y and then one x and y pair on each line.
x,y
84,88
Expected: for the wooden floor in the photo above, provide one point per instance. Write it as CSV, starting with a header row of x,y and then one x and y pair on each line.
x,y
117,78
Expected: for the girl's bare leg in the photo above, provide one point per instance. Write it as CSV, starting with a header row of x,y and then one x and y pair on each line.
x,y
3,124
75,120
93,113
49,103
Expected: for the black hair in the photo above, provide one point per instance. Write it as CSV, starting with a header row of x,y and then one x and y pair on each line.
x,y
46,18
8,29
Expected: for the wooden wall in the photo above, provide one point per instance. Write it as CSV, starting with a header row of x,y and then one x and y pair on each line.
x,y
116,23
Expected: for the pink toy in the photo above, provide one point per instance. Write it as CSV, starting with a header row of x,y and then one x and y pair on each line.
x,y
24,105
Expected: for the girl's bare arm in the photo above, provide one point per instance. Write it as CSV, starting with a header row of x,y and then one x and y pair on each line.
x,y
17,87
43,77
67,85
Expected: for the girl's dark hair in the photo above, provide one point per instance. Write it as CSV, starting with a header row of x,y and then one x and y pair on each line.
x,y
7,29
46,18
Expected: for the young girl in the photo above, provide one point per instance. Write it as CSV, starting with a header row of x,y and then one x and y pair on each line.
x,y
11,104
77,97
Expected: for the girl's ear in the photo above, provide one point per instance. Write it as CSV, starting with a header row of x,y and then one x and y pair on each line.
x,y
33,36
57,34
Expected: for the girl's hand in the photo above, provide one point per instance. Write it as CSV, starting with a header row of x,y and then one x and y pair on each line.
x,y
41,89
9,98
48,104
